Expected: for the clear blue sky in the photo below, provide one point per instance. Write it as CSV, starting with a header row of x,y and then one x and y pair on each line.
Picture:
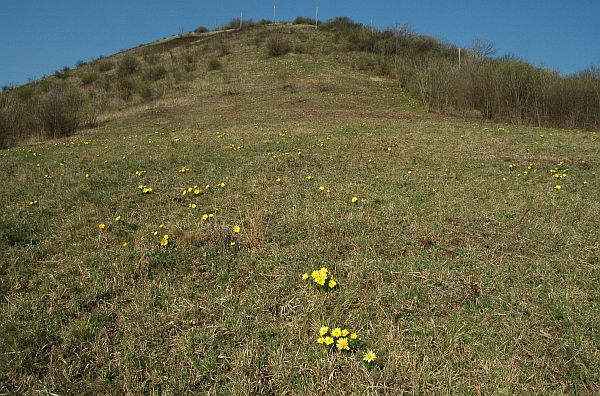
x,y
41,36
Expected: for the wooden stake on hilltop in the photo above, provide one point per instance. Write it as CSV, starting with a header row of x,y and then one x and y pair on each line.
x,y
274,20
317,18
459,57
241,20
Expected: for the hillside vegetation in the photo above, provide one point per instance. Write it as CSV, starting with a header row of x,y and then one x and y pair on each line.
x,y
161,250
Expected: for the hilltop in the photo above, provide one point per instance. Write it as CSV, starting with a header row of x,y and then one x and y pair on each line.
x,y
159,246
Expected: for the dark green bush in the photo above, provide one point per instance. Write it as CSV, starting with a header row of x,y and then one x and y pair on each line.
x,y
201,29
155,73
127,66
88,78
214,64
64,73
278,45
301,20
105,65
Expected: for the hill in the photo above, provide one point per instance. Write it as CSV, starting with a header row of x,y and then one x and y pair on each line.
x,y
162,249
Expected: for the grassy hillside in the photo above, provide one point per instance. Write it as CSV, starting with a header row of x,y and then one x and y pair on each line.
x,y
461,263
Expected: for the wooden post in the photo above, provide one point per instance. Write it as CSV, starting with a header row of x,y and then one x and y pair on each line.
x,y
317,18
459,57
241,20
273,12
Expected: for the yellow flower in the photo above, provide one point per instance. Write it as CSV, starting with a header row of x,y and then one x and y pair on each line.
x,y
328,340
193,205
354,336
164,241
370,356
304,276
102,226
354,199
197,190
337,332
125,245
236,229
558,187
332,283
323,330
205,217
117,219
278,180
320,340
309,177
321,188
222,184
342,344
345,333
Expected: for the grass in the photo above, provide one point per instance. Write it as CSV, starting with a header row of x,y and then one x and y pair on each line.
x,y
464,275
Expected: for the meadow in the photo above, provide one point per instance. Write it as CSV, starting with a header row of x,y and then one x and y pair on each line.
x,y
465,253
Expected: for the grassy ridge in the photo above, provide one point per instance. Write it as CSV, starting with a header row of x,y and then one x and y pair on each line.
x,y
463,273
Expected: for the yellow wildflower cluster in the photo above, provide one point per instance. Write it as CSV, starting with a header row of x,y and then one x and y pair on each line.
x,y
140,173
184,169
338,338
194,190
321,277
145,189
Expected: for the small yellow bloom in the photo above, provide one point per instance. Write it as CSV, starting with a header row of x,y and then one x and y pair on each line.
x,y
222,184
354,336
332,283
558,187
205,217
193,205
321,188
102,226
320,340
125,245
354,199
345,333
370,356
342,344
117,219
164,241
337,332
304,276
197,190
323,330
236,229
328,340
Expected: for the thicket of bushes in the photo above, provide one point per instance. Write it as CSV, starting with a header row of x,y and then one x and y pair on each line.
x,y
502,89
57,111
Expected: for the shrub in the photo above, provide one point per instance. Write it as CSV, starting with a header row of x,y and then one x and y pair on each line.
x,y
301,20
155,73
278,46
263,22
144,90
62,74
201,29
88,78
214,64
125,88
105,65
10,109
127,66
59,111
